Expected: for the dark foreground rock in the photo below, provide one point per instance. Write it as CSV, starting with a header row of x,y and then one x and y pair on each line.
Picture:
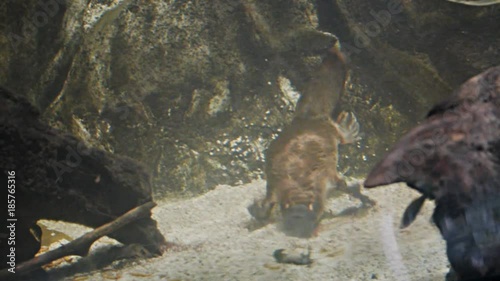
x,y
58,177
453,158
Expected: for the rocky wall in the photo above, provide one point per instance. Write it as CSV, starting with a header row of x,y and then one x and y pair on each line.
x,y
196,89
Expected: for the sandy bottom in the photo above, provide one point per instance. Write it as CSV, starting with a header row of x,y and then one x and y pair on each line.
x,y
215,243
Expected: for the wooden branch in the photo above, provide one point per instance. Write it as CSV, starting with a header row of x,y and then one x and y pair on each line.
x,y
81,245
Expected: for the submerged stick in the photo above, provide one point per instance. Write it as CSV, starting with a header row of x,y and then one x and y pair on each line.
x,y
81,245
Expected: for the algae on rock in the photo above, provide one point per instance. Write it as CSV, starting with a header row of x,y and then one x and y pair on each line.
x,y
194,89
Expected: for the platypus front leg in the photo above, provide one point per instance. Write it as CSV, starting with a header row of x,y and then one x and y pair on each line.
x,y
347,127
261,209
353,190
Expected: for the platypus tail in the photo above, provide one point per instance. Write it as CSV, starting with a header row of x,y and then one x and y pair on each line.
x,y
323,91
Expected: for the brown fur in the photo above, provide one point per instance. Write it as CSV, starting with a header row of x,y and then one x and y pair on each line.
x,y
302,162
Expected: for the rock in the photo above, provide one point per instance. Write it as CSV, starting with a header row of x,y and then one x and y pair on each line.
x,y
453,157
192,89
58,177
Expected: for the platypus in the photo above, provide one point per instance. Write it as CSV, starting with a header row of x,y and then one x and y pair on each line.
x,y
301,163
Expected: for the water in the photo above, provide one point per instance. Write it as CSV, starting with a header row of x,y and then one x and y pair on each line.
x,y
197,91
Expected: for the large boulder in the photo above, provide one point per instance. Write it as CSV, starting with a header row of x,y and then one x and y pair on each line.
x,y
196,90
55,176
